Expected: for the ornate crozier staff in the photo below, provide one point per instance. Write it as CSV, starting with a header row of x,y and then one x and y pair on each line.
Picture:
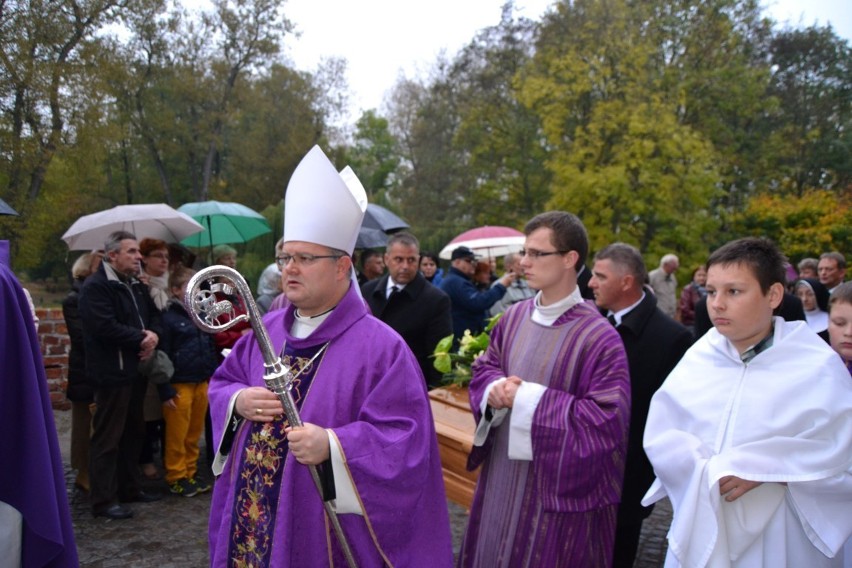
x,y
205,311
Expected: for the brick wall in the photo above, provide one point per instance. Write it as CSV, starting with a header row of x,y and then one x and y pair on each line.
x,y
55,343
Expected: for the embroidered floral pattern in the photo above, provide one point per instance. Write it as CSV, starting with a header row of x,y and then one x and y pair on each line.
x,y
259,481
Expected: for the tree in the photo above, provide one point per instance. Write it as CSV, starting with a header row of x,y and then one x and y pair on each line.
x,y
501,139
375,156
40,49
817,221
621,157
247,35
432,177
812,126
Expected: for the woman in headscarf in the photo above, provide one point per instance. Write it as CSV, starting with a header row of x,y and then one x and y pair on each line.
x,y
814,297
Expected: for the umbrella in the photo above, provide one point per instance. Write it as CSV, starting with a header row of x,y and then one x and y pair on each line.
x,y
370,238
5,209
153,220
377,217
224,223
491,241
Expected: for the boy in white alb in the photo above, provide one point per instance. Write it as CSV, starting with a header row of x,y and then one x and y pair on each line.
x,y
751,434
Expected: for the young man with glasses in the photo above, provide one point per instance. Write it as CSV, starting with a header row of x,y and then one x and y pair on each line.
x,y
551,396
470,305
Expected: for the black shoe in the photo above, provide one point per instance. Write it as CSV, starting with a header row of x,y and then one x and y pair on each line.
x,y
116,512
143,497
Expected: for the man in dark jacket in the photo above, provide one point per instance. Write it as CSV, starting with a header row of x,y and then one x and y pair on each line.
x,y
404,300
469,305
654,343
121,329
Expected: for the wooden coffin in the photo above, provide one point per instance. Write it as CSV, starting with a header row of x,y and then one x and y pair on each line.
x,y
454,426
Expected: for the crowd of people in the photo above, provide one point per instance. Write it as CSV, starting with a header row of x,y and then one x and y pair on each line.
x,y
601,392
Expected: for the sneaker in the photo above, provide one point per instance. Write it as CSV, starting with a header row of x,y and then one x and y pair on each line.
x,y
184,488
200,485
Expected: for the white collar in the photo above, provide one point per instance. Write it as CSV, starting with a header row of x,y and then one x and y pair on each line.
x,y
304,326
390,286
546,315
619,315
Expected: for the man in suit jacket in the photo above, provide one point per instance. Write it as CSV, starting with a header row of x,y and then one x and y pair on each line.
x,y
654,343
405,301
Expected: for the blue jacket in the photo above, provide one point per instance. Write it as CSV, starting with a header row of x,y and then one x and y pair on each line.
x,y
469,305
192,351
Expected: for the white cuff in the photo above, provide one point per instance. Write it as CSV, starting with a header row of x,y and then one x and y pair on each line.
x,y
520,425
346,500
219,459
497,416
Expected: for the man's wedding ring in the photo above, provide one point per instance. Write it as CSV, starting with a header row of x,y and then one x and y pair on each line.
x,y
258,411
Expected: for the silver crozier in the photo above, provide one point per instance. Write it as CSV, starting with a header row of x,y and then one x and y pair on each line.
x,y
205,311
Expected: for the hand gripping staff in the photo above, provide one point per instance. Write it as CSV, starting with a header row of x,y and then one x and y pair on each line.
x,y
205,311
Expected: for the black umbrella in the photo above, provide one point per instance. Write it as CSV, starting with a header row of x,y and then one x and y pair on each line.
x,y
5,209
370,238
377,217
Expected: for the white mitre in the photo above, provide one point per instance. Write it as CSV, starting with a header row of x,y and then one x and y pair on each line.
x,y
320,207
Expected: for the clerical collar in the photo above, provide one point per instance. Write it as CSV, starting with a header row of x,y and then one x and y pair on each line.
x,y
546,315
619,315
304,326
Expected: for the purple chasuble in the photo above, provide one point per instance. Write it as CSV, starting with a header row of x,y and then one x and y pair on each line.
x,y
31,478
369,391
560,508
259,479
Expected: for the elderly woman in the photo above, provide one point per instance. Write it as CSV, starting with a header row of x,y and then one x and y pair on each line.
x,y
691,294
155,270
80,390
155,273
225,255
814,297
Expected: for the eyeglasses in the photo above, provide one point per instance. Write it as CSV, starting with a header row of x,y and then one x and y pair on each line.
x,y
302,259
160,255
536,254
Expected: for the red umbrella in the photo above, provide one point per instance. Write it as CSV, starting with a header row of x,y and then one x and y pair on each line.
x,y
490,240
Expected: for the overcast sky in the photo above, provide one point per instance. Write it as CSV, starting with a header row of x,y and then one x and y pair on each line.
x,y
382,39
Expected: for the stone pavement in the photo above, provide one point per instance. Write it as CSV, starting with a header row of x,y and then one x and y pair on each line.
x,y
173,532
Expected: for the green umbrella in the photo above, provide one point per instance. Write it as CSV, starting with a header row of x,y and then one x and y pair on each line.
x,y
223,223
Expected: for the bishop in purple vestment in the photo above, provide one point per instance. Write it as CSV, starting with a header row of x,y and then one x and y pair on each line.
x,y
361,396
551,397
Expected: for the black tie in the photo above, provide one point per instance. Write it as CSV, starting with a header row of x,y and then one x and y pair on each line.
x,y
611,319
394,292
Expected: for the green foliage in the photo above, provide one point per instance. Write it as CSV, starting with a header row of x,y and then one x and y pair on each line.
x,y
456,365
375,156
804,226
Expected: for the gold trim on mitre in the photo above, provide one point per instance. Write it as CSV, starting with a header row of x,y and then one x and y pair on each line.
x,y
320,207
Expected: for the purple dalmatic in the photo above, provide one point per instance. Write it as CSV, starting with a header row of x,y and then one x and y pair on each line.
x,y
31,477
368,389
559,508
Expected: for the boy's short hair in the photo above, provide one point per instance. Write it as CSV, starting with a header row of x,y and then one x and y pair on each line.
x,y
841,295
765,260
180,277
